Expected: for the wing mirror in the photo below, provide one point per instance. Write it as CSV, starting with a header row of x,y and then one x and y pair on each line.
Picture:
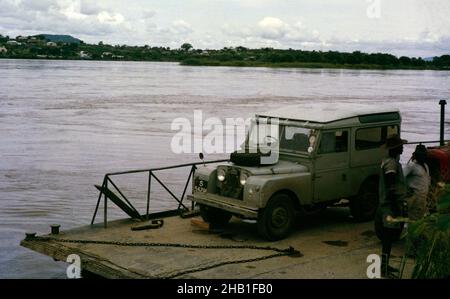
x,y
201,156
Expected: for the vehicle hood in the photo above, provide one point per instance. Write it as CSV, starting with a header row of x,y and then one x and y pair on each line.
x,y
282,167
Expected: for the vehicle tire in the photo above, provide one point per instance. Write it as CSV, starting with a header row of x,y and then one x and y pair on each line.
x,y
277,218
379,231
215,217
364,205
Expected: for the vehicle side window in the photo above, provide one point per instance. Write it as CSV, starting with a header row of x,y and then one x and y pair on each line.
x,y
295,139
369,138
333,142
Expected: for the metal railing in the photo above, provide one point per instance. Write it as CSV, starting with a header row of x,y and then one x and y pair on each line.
x,y
440,142
151,175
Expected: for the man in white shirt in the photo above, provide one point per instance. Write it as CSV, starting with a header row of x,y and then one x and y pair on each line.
x,y
417,176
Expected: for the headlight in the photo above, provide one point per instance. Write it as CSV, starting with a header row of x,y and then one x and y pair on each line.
x,y
221,174
243,178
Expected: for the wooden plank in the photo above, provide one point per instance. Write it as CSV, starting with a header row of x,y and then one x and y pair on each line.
x,y
199,223
92,263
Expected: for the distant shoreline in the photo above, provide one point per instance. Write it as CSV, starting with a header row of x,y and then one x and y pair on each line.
x,y
256,64
309,65
66,47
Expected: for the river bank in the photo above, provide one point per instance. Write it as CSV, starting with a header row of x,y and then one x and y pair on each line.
x,y
311,65
240,63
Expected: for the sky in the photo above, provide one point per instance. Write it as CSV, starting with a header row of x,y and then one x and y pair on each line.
x,y
401,27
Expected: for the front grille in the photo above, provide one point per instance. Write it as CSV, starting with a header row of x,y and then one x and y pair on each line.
x,y
231,187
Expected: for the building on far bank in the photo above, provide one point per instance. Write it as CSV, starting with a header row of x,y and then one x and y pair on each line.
x,y
84,55
22,38
107,55
13,43
51,44
33,40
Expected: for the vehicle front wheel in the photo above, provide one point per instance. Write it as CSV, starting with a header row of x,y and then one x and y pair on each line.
x,y
276,219
364,205
215,217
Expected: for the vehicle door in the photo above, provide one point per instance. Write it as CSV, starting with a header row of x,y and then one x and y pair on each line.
x,y
331,167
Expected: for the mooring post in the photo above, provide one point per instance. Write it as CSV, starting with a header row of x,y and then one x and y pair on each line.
x,y
148,194
55,229
442,103
105,211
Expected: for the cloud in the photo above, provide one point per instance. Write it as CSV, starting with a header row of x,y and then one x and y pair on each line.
x,y
76,17
273,28
181,27
72,10
41,5
148,14
90,8
274,32
105,17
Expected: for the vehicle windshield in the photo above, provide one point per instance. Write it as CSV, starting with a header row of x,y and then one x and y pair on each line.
x,y
283,137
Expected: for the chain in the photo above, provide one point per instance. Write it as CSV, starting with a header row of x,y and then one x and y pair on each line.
x,y
290,250
281,252
183,272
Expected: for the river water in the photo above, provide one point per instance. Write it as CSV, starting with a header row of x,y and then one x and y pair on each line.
x,y
64,124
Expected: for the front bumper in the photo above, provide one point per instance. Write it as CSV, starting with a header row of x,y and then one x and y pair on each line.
x,y
223,203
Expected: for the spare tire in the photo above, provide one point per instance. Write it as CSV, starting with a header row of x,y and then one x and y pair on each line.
x,y
248,159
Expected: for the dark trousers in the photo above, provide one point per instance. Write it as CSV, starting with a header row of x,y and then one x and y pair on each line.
x,y
389,236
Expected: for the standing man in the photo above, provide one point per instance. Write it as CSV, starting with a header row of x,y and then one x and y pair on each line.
x,y
417,175
392,192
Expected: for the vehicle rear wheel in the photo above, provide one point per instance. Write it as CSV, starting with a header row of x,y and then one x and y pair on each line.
x,y
276,219
215,217
364,205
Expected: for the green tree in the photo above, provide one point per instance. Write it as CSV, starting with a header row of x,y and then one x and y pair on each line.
x,y
186,47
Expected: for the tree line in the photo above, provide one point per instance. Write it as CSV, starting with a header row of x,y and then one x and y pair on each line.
x,y
38,47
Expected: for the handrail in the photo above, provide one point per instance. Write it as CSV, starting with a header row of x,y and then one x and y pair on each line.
x,y
107,179
420,142
165,168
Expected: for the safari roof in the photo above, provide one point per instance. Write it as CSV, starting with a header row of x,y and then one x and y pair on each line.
x,y
335,113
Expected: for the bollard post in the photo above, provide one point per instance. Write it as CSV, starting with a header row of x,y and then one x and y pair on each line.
x,y
30,236
55,229
441,138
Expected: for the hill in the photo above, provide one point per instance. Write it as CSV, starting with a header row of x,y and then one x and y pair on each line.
x,y
60,38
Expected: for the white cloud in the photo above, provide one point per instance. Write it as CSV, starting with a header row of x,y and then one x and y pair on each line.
x,y
107,18
272,32
181,27
273,28
72,10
